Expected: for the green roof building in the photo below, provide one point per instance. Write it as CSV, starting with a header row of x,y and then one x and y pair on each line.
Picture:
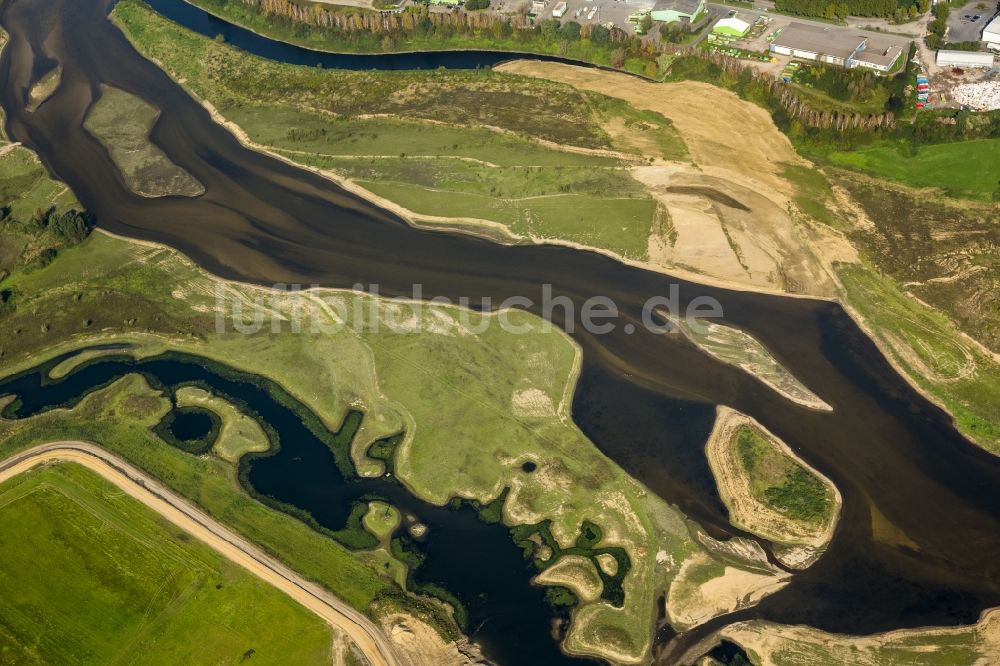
x,y
731,27
669,11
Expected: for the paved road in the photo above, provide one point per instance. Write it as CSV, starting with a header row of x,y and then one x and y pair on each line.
x,y
184,515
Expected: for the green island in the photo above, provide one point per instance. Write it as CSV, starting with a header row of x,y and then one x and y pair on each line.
x,y
781,483
77,550
238,433
122,122
769,491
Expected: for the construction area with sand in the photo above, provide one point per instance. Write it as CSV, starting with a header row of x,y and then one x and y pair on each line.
x,y
730,213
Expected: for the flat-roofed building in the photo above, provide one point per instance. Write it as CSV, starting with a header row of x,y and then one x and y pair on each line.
x,y
964,59
837,47
991,34
877,53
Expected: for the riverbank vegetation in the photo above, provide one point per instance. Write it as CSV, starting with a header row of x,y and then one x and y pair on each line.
x,y
931,350
39,217
925,286
102,573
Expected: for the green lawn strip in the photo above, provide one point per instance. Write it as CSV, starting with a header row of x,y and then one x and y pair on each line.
x,y
969,169
929,338
94,577
780,482
310,133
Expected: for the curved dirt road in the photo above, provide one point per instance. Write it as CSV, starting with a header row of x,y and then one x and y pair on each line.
x,y
181,513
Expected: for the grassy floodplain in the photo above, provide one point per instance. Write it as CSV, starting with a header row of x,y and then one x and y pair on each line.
x,y
446,145
931,350
967,169
92,576
426,381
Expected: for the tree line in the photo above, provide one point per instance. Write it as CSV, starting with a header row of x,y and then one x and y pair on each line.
x,y
896,10
420,22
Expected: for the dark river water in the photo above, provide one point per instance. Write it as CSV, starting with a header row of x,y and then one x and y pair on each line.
x,y
644,399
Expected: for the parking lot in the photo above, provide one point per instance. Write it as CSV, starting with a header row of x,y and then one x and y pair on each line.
x,y
962,29
598,11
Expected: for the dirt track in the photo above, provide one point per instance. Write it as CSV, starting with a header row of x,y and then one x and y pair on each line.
x,y
143,488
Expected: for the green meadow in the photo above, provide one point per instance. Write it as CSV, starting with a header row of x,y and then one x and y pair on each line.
x,y
966,169
91,576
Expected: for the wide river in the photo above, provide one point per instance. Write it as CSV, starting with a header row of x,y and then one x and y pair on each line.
x,y
646,400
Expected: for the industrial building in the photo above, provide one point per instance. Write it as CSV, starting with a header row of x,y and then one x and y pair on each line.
x,y
669,11
991,34
731,27
837,47
964,59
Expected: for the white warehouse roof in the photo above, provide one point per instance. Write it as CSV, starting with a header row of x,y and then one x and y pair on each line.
x,y
991,33
964,58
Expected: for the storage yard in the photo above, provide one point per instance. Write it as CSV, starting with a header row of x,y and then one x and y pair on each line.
x,y
983,96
